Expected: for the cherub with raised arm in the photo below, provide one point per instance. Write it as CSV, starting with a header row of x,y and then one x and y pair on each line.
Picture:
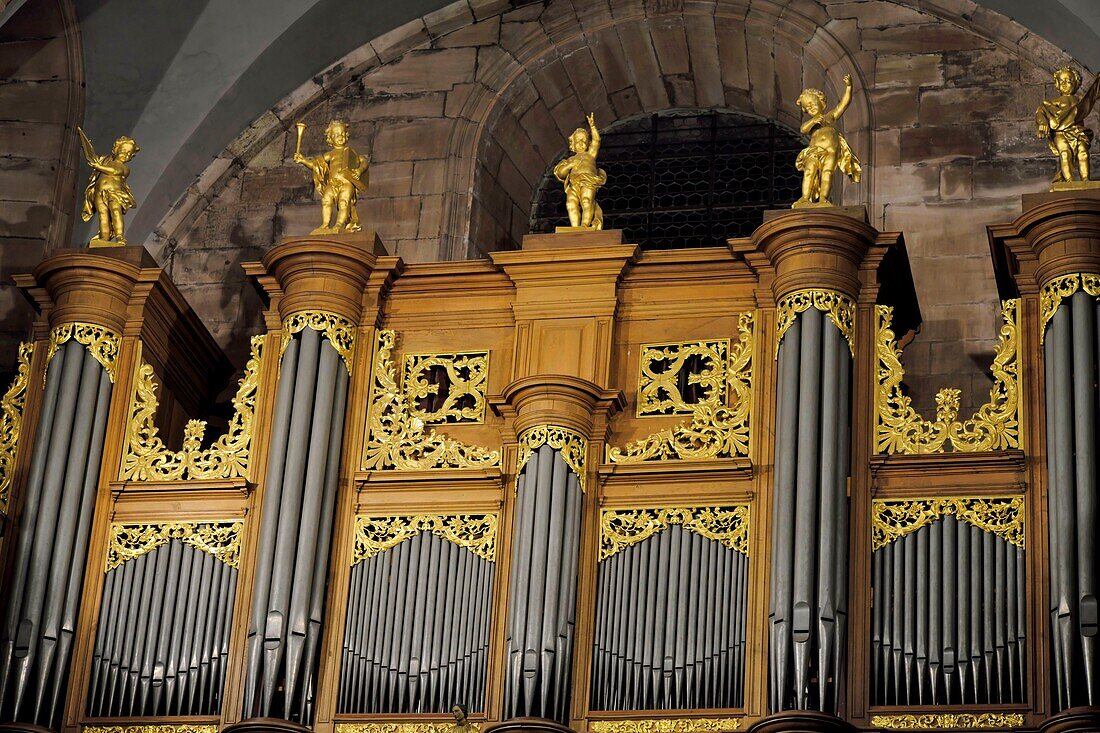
x,y
1060,121
339,176
107,195
582,178
827,151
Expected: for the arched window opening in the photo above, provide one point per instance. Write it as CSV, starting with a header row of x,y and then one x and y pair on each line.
x,y
685,178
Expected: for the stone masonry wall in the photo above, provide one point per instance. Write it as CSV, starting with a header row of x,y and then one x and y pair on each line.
x,y
461,112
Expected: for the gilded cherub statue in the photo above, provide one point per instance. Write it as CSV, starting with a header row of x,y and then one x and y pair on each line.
x,y
107,195
827,151
582,178
1061,122
340,176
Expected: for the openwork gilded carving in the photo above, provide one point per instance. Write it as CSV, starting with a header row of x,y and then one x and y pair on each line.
x,y
620,528
572,445
892,519
102,343
665,725
901,429
130,541
714,430
399,440
475,532
1054,292
659,391
949,721
839,308
148,459
150,729
11,421
414,727
339,331
467,376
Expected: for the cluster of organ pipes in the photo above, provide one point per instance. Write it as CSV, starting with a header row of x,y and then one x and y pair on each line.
x,y
162,643
36,639
670,625
949,618
416,638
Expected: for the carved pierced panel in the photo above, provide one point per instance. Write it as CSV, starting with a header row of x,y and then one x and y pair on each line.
x,y
475,532
447,388
130,541
620,528
674,378
11,422
893,519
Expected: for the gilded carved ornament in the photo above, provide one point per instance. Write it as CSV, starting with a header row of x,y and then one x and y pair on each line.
x,y
1060,121
412,727
892,519
1054,292
107,196
659,389
828,151
127,542
186,728
949,721
714,430
399,440
339,331
146,458
11,421
665,725
102,343
620,528
901,429
839,308
572,445
581,178
474,532
467,377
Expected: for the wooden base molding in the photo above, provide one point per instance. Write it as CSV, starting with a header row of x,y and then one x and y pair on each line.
x,y
1074,720
802,721
527,725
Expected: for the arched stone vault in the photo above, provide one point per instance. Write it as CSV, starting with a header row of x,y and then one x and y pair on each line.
x,y
461,111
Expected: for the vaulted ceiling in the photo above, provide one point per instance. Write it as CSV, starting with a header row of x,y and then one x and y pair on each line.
x,y
185,77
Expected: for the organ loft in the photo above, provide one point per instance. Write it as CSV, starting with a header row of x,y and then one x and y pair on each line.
x,y
498,366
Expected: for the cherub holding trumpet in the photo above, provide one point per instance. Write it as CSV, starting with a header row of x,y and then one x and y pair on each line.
x,y
107,194
339,175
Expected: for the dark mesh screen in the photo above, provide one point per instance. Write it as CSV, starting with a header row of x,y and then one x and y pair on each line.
x,y
685,179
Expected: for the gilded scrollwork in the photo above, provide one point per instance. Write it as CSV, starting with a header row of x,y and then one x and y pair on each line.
x,y
572,445
714,430
130,541
11,421
475,532
186,728
339,331
892,519
949,721
399,440
406,727
659,391
995,425
467,377
103,344
838,307
620,528
147,458
665,725
1054,292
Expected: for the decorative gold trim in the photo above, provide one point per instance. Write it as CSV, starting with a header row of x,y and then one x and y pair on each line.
x,y
714,431
665,725
892,519
151,729
222,539
475,532
659,393
949,721
416,727
468,374
901,429
103,344
838,307
11,421
397,439
620,528
148,459
573,447
339,330
1054,292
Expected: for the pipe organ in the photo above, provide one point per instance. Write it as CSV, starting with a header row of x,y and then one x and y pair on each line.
x,y
575,486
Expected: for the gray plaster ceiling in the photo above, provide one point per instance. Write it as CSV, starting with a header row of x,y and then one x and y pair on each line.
x,y
184,77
